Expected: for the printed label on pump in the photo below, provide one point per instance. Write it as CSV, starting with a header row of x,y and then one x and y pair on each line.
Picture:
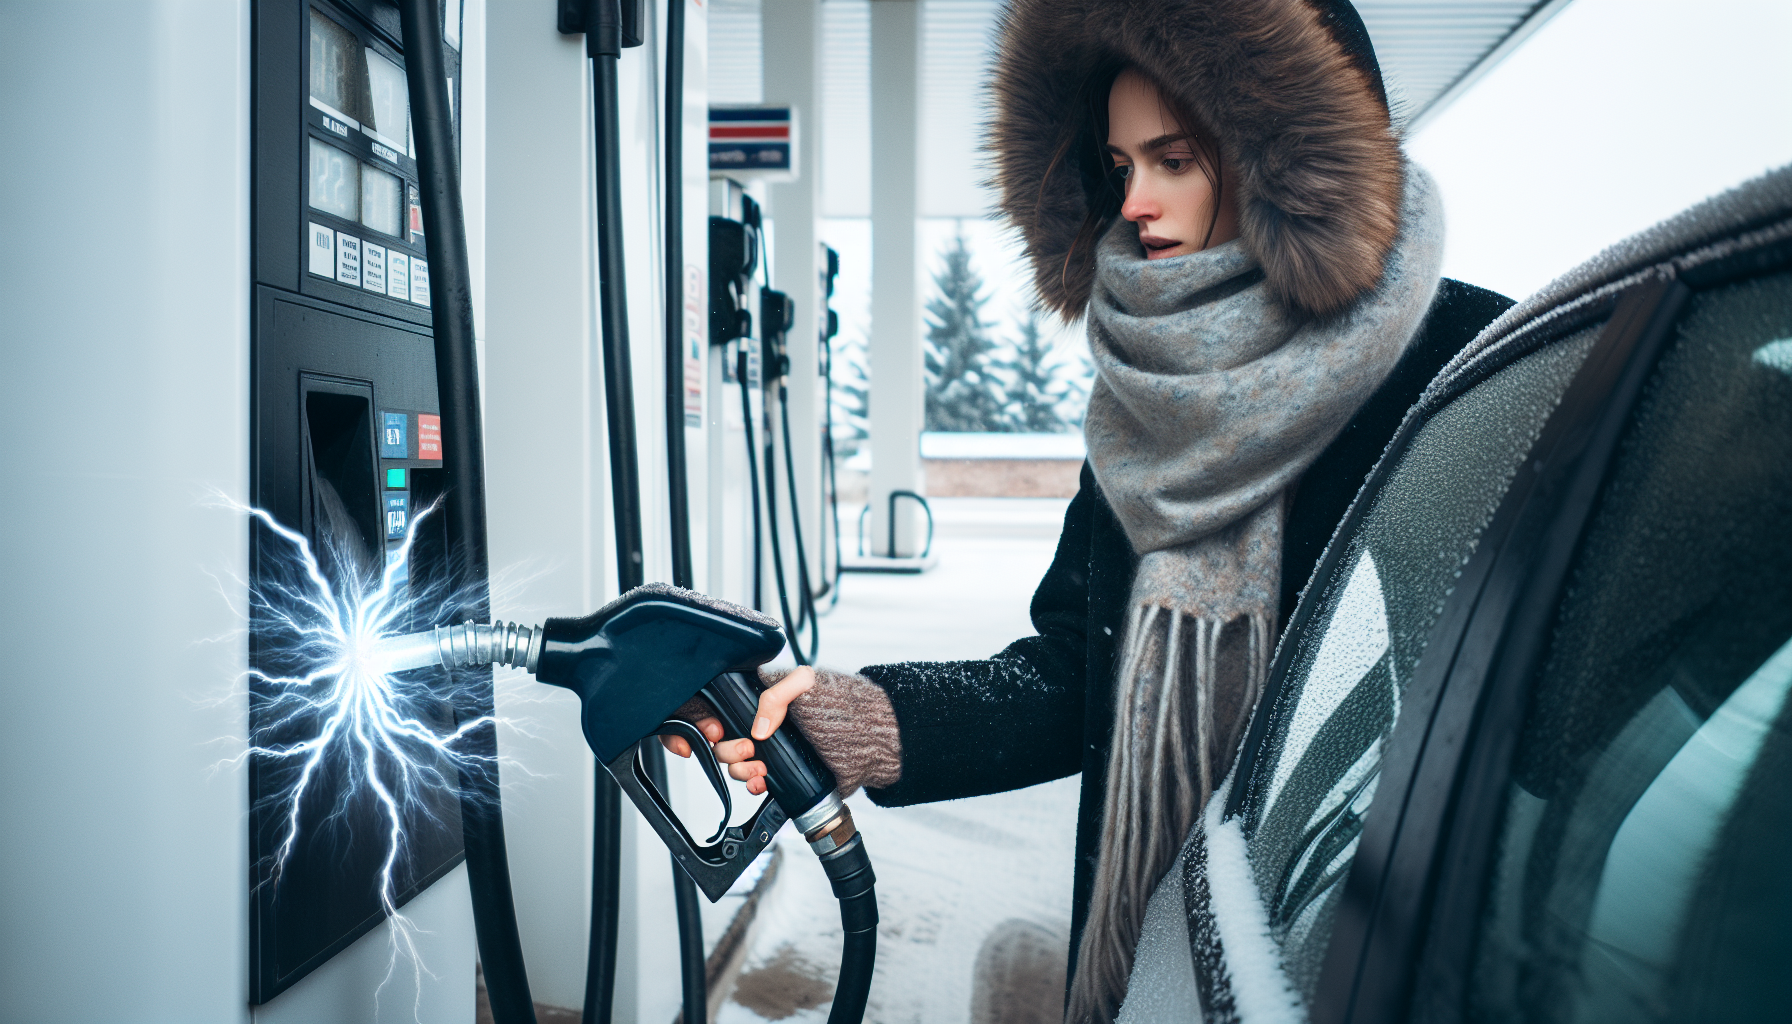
x,y
419,281
398,275
348,259
398,512
694,336
429,436
393,442
373,267
323,250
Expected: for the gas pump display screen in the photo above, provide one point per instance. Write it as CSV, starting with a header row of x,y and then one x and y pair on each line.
x,y
335,181
381,197
356,82
338,70
360,163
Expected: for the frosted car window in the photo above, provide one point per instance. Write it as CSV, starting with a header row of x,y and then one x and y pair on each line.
x,y
1641,868
1342,692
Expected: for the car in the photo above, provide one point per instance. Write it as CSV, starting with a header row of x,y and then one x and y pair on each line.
x,y
1525,752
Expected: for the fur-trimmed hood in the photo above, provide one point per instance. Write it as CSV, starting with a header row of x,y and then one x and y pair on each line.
x,y
1290,87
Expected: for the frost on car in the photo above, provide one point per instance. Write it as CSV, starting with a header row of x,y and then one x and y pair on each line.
x,y
1526,753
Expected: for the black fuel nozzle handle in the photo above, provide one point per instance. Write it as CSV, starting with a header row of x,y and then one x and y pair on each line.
x,y
633,663
794,773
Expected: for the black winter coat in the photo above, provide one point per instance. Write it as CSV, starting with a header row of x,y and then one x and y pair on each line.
x,y
1042,709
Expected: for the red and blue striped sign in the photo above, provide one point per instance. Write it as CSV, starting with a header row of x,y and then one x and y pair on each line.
x,y
747,139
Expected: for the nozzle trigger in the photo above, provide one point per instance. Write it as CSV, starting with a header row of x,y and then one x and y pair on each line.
x,y
711,767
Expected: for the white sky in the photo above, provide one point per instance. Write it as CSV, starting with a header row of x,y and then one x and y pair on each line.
x,y
1614,115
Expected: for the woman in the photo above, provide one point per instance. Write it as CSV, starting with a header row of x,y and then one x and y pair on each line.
x,y
1216,186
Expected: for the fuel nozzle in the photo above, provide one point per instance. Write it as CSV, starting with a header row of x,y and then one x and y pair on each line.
x,y
633,663
464,646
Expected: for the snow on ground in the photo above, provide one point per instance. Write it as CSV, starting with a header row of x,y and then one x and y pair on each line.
x,y
949,874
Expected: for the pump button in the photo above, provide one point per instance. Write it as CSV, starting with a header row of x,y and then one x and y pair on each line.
x,y
394,436
395,478
429,437
398,514
402,575
322,247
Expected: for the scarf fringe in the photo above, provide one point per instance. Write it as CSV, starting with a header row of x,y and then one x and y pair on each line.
x,y
1176,730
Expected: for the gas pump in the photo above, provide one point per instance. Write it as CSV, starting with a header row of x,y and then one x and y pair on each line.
x,y
358,420
754,358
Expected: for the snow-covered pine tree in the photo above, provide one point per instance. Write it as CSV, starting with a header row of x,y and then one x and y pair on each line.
x,y
962,394
851,398
1036,385
1079,377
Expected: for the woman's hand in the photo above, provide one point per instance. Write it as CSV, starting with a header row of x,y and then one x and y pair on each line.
x,y
774,703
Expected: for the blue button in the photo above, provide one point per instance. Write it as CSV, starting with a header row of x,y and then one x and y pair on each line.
x,y
393,442
398,513
402,576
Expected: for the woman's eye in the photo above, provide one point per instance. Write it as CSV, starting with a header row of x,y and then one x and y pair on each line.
x,y
1175,164
1123,171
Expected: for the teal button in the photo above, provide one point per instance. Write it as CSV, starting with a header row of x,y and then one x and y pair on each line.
x,y
395,478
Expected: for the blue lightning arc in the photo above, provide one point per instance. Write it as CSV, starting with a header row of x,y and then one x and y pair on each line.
x,y
355,716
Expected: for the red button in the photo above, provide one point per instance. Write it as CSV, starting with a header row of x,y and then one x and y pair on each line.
x,y
429,437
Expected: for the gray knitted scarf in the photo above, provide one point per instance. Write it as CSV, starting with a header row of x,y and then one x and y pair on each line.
x,y
1210,401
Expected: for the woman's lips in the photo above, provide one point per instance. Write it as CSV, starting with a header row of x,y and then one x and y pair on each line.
x,y
1156,246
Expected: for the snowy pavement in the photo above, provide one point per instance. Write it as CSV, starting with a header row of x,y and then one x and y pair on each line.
x,y
950,875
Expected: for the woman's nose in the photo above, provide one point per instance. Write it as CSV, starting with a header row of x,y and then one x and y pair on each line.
x,y
1140,204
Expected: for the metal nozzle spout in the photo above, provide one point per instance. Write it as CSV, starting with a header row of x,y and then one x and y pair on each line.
x,y
465,645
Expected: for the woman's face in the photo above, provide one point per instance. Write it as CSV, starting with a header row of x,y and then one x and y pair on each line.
x,y
1167,194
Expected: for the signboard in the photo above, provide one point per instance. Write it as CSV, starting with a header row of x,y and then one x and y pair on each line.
x,y
752,141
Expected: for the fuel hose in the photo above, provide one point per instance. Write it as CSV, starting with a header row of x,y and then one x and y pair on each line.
x,y
463,465
693,965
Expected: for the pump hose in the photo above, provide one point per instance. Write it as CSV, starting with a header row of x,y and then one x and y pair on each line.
x,y
603,41
771,508
858,957
830,585
457,382
805,591
791,626
854,884
746,415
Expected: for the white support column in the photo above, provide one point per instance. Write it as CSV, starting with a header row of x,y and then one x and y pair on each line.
x,y
895,312
791,45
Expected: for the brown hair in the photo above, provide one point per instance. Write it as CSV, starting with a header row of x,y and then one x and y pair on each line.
x,y
1084,142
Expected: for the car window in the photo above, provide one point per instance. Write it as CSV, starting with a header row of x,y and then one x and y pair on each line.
x,y
1322,752
1641,872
